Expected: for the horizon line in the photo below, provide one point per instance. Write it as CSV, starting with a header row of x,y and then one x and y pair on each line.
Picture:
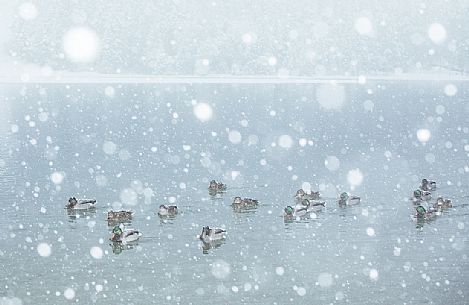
x,y
97,78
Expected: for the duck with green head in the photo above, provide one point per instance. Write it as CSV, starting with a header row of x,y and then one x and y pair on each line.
x,y
294,212
346,199
420,196
124,236
423,214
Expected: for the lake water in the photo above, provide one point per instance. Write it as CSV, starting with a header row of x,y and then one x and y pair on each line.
x,y
139,146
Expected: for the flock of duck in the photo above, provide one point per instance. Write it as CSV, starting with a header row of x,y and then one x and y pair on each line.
x,y
425,209
305,203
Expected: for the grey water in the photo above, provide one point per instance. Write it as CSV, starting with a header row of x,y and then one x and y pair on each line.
x,y
138,146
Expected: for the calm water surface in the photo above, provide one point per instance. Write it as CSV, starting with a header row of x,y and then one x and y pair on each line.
x,y
137,147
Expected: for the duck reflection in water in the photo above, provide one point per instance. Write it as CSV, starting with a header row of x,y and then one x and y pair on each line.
x,y
207,246
118,247
73,215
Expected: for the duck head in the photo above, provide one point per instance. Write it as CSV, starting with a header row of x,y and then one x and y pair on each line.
x,y
205,232
116,233
237,200
72,201
344,196
417,193
300,192
420,211
163,207
440,201
213,184
289,211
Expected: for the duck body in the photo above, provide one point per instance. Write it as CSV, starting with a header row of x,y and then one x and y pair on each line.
x,y
302,195
209,235
297,211
427,185
442,203
81,204
423,214
216,186
346,199
301,210
167,210
124,236
244,202
314,206
119,215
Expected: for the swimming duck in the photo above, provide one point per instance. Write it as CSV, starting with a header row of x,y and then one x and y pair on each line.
x,y
82,204
119,215
427,185
420,196
246,202
216,186
301,195
442,203
167,210
422,214
124,236
346,199
294,212
208,235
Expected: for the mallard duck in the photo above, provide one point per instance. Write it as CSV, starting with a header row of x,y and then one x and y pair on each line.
x,y
422,214
119,215
216,186
420,196
443,203
82,204
301,195
427,185
167,210
346,199
124,236
294,212
246,202
208,235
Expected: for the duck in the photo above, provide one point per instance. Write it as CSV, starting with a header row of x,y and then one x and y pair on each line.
x,y
82,204
422,214
346,199
294,212
442,203
212,234
167,210
420,196
216,186
124,236
119,215
427,185
246,202
301,195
